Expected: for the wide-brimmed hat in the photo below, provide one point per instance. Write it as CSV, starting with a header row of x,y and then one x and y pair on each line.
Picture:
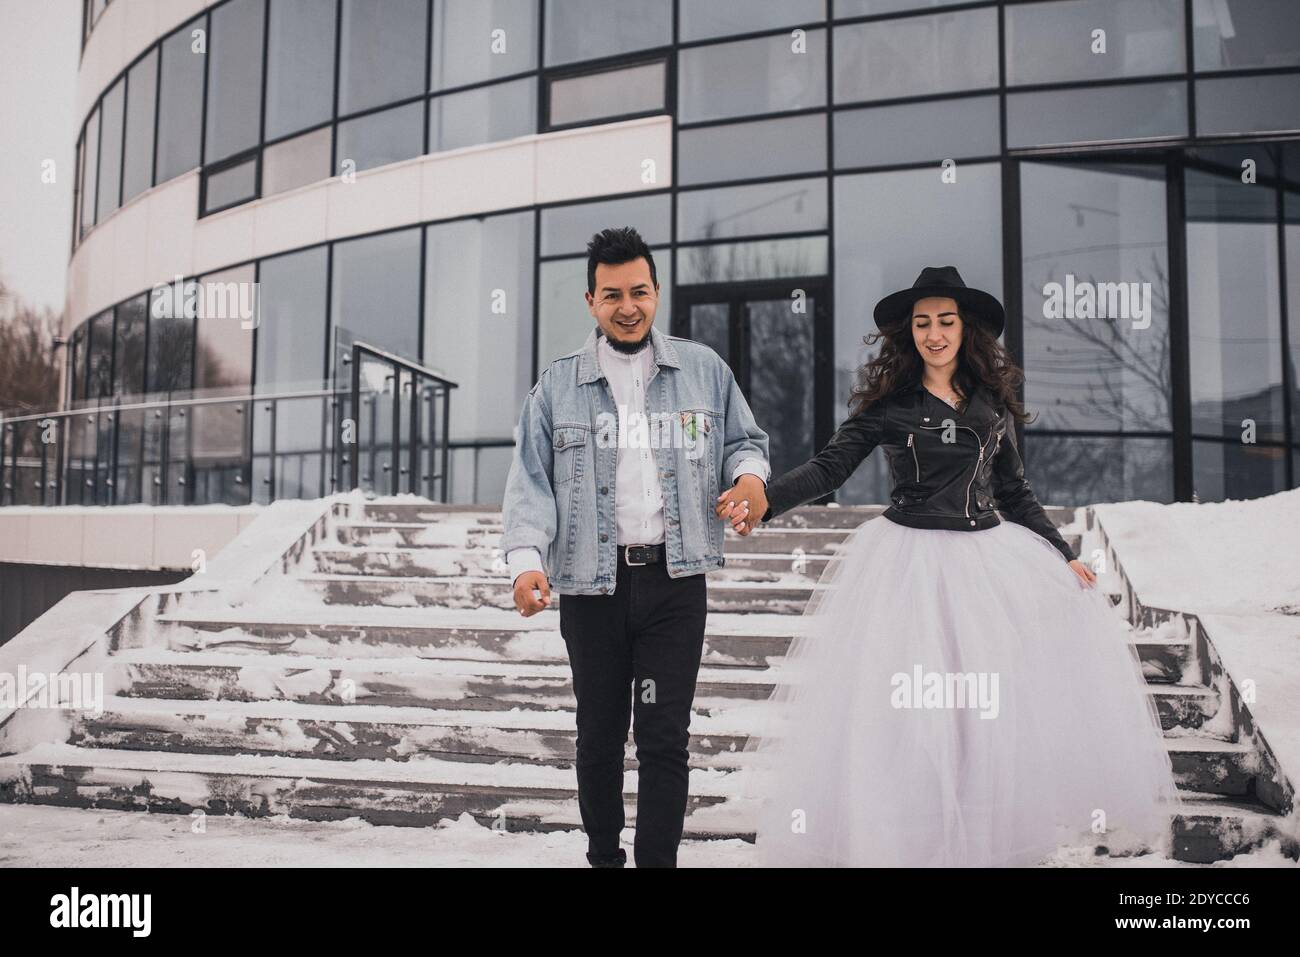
x,y
942,281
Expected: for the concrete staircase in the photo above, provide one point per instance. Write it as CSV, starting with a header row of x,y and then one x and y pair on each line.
x,y
387,676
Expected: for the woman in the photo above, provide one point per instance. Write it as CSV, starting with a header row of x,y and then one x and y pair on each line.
x,y
961,693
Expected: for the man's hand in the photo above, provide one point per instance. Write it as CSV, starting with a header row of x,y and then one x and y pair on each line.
x,y
527,603
747,497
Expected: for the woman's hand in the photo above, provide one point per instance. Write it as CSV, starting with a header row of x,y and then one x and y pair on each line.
x,y
744,503
1084,572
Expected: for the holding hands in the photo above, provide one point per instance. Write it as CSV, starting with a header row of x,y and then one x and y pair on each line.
x,y
744,503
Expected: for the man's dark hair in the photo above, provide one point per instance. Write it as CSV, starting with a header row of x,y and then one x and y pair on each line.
x,y
616,246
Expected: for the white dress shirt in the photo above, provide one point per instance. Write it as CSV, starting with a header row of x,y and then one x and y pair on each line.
x,y
638,496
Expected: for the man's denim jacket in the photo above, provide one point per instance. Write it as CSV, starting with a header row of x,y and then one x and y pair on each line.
x,y
559,496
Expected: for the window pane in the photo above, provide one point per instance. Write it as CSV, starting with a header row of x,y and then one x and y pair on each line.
x,y
940,53
1050,42
128,368
886,229
234,79
1245,33
764,75
1104,114
180,106
567,229
110,150
478,325
917,132
291,334
99,383
1234,318
795,144
1224,470
376,290
382,55
486,115
380,138
702,19
1075,469
299,66
224,356
171,339
234,184
477,40
765,259
863,8
590,29
581,99
90,174
1248,104
142,87
296,162
1096,297
788,207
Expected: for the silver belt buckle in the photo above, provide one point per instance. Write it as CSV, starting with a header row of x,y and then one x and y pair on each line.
x,y
627,549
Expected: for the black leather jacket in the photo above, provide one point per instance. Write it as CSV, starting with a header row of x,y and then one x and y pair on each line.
x,y
949,468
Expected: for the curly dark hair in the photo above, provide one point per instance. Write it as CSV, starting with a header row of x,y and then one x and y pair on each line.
x,y
982,360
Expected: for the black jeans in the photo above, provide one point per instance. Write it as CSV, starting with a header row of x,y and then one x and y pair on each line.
x,y
636,651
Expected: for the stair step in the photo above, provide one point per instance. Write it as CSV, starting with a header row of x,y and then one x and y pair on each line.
x,y
356,732
400,682
469,591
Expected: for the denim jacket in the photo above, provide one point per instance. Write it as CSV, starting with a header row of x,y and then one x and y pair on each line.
x,y
559,495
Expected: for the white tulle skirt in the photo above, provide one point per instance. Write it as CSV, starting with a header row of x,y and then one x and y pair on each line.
x,y
956,699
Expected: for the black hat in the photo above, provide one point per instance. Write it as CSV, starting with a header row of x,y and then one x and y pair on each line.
x,y
942,281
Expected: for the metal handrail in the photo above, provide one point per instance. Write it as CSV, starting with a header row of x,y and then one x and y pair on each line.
x,y
168,403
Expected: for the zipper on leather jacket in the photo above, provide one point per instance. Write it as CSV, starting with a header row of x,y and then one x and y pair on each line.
x,y
979,462
915,461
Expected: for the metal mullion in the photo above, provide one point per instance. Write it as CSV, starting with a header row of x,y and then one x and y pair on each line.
x,y
1179,352
1288,386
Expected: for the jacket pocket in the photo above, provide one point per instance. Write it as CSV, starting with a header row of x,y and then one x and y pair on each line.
x,y
569,443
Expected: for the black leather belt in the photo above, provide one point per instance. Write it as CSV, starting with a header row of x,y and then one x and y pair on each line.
x,y
641,554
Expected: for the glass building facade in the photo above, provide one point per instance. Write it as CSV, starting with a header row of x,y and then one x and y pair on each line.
x,y
1124,176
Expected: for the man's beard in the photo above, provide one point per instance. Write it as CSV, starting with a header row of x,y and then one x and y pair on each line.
x,y
628,348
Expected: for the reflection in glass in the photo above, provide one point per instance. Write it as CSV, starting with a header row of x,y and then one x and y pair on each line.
x,y
180,102
701,19
621,92
381,56
1233,315
1245,33
1224,470
1248,104
142,86
795,144
110,150
488,114
1098,115
377,139
90,173
917,132
567,229
787,207
128,365
864,8
296,162
914,56
1096,297
591,29
1080,469
710,324
762,259
99,347
780,392
224,347
376,290
234,79
233,184
1054,42
299,66
291,330
763,75
478,40
478,326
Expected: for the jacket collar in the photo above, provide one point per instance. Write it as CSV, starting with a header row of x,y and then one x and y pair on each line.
x,y
980,407
665,354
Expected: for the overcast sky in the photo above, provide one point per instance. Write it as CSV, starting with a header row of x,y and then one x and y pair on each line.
x,y
39,51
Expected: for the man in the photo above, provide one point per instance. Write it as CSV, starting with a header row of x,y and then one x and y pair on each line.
x,y
621,450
